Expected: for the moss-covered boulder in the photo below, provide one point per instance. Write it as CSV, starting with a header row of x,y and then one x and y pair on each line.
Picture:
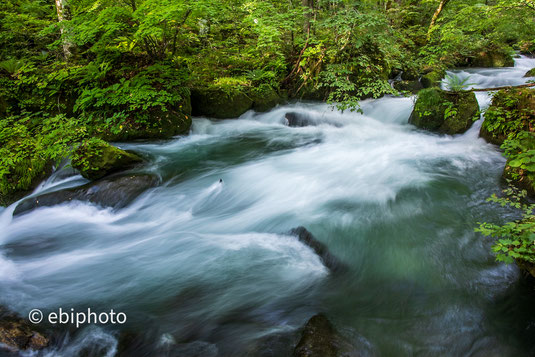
x,y
413,86
154,123
530,73
491,58
432,78
511,112
265,98
95,159
444,112
17,334
219,102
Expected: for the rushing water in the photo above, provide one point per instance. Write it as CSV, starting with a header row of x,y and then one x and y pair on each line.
x,y
206,268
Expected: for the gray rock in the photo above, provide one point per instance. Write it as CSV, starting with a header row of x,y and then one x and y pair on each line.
x,y
116,192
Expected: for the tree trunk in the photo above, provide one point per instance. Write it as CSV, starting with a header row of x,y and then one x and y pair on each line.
x,y
63,11
308,16
435,17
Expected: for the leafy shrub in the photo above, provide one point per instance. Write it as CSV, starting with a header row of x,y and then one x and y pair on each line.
x,y
513,240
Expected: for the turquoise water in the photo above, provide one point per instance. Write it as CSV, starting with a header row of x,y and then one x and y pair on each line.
x,y
200,265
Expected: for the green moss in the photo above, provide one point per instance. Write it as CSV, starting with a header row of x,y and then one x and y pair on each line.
x,y
530,73
264,98
95,158
409,86
444,112
433,78
220,102
492,58
511,112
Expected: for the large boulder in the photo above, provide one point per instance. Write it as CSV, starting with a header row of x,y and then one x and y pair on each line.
x,y
116,192
511,112
432,78
491,58
17,334
530,73
154,123
412,86
265,98
444,112
218,103
95,159
319,248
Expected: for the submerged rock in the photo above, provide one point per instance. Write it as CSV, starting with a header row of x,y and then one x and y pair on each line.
x,y
530,73
295,119
96,159
116,192
318,339
319,248
445,112
18,334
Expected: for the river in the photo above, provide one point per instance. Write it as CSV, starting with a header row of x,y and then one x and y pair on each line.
x,y
207,268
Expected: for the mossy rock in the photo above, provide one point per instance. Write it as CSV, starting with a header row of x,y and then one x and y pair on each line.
x,y
432,78
444,112
511,112
408,86
95,159
492,58
220,103
265,98
154,123
530,73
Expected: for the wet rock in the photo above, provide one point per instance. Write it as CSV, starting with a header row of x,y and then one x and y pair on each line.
x,y
318,339
413,86
445,112
530,73
96,159
409,75
265,99
217,103
116,192
491,58
526,267
319,248
432,78
17,334
294,119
